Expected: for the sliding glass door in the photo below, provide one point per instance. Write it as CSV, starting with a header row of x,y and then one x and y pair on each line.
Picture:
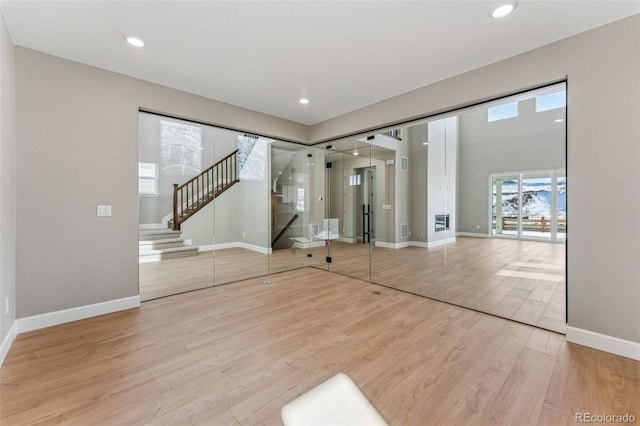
x,y
529,205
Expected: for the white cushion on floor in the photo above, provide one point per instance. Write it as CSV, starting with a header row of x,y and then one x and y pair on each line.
x,y
335,402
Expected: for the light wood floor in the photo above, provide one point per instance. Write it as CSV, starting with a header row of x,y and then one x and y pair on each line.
x,y
519,280
236,354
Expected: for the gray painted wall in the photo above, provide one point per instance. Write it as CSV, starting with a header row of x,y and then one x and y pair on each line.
x,y
418,154
603,71
531,141
69,115
7,181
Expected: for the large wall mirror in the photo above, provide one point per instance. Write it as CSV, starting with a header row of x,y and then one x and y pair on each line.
x,y
468,207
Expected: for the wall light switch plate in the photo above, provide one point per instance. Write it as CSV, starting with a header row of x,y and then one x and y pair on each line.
x,y
103,211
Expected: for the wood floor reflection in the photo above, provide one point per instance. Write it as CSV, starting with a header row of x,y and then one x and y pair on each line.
x,y
519,280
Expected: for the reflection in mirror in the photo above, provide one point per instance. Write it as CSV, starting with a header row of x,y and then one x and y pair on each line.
x,y
297,207
173,151
410,257
351,214
242,243
474,202
509,258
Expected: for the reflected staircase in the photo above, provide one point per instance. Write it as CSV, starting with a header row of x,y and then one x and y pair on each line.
x,y
163,243
199,191
188,198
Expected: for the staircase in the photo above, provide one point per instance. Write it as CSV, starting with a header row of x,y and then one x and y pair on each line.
x,y
199,191
163,243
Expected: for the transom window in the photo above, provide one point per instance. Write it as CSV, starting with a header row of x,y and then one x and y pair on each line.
x,y
504,111
551,101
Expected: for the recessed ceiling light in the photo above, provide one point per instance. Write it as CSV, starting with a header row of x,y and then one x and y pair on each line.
x,y
304,101
425,143
559,120
355,152
134,41
503,10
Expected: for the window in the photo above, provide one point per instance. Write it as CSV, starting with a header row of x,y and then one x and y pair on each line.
x,y
501,112
180,148
147,178
355,180
300,201
551,101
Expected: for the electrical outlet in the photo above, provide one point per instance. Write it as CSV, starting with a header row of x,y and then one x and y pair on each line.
x,y
477,226
103,210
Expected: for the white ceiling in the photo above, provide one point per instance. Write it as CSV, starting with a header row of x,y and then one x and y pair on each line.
x,y
265,55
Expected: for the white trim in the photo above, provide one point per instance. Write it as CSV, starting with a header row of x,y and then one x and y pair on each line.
x,y
8,340
421,244
392,245
152,226
263,250
347,240
437,243
49,319
237,244
614,345
471,234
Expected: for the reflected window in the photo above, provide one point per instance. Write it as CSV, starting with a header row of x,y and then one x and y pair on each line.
x,y
147,178
551,101
300,200
180,148
504,111
355,180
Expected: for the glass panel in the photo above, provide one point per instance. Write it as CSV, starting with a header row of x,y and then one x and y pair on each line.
x,y
292,173
242,213
350,223
411,227
318,243
173,262
508,188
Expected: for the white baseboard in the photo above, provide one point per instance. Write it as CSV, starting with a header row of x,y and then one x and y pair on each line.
x,y
471,234
347,240
421,244
431,244
237,244
8,340
263,250
49,319
152,226
614,345
392,245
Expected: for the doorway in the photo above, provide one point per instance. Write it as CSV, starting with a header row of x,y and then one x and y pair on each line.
x,y
364,182
529,205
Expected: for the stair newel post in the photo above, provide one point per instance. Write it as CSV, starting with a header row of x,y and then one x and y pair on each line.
x,y
176,221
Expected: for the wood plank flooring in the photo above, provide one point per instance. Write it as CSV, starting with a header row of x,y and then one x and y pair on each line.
x,y
519,280
235,354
